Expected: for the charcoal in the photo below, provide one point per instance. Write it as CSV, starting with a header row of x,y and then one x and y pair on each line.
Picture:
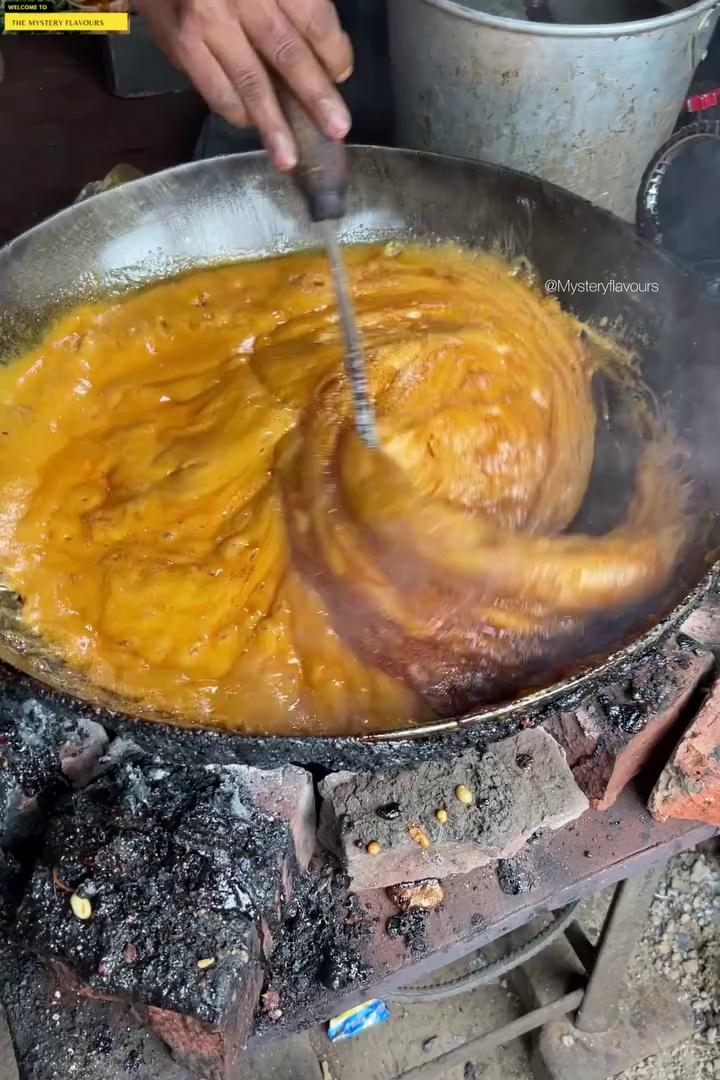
x,y
178,867
34,758
10,887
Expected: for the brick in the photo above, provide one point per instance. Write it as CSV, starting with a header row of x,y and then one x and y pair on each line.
x,y
689,786
288,794
194,1045
617,733
518,786
84,1013
211,1052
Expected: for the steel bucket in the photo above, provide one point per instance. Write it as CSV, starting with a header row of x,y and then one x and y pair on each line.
x,y
584,106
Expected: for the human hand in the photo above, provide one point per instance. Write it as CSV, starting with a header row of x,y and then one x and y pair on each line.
x,y
231,49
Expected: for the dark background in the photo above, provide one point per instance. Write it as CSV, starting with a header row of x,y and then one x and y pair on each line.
x,y
62,127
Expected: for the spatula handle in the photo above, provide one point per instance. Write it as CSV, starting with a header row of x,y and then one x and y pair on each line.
x,y
321,171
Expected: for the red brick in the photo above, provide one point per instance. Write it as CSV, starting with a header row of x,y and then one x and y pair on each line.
x,y
208,1052
518,786
602,755
689,787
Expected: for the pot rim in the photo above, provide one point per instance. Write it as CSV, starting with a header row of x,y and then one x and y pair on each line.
x,y
571,30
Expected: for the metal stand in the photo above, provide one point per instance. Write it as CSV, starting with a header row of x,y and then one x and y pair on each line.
x,y
613,1027
620,934
616,1025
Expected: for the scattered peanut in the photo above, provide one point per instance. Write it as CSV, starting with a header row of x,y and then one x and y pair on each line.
x,y
373,848
441,815
463,794
81,907
206,963
419,836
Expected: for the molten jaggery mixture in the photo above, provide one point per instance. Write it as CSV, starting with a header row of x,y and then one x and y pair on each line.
x,y
193,524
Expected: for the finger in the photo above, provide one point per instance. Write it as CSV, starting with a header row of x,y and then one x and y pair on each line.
x,y
252,84
318,22
282,45
182,42
213,84
163,24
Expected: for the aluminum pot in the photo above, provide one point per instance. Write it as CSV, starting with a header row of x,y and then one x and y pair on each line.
x,y
584,106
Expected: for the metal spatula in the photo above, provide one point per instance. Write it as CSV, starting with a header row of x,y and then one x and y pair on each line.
x,y
322,177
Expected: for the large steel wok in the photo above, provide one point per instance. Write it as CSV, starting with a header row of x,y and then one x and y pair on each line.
x,y
233,208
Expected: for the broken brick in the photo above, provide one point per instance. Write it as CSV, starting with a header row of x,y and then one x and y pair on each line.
x,y
616,734
509,802
689,786
210,1052
288,794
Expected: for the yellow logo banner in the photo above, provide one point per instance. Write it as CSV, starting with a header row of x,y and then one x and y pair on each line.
x,y
34,17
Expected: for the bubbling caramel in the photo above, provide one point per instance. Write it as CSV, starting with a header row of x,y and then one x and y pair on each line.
x,y
193,524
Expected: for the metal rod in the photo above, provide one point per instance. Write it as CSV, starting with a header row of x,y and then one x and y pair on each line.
x,y
485,1044
621,930
354,363
581,945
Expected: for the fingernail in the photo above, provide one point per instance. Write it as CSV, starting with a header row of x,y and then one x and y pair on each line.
x,y
282,151
345,75
337,119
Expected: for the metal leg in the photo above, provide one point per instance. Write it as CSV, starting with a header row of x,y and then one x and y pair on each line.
x,y
620,933
483,1045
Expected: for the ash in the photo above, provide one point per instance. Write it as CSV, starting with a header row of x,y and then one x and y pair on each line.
x,y
410,926
321,940
514,876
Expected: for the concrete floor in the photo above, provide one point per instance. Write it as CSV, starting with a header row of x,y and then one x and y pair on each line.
x,y
396,1046
383,1052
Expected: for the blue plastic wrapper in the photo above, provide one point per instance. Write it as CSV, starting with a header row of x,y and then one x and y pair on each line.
x,y
358,1019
